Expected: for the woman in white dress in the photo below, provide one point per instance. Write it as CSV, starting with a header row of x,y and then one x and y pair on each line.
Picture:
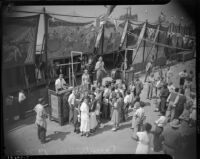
x,y
85,120
144,140
85,80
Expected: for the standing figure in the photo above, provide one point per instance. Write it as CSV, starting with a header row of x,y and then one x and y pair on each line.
x,y
149,68
90,68
171,138
150,81
164,93
168,75
160,124
144,140
183,74
138,86
93,120
139,117
112,95
71,102
85,80
115,115
171,107
187,87
22,102
99,67
106,95
60,83
97,111
191,76
85,119
179,104
127,103
41,123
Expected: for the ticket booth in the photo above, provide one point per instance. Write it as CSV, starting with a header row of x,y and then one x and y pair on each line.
x,y
59,108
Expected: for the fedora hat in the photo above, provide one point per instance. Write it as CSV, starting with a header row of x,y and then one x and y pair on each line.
x,y
40,100
175,123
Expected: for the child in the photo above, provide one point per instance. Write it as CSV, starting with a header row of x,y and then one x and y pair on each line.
x,y
115,115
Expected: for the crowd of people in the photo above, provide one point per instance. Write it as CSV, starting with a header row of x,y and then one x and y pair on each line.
x,y
93,104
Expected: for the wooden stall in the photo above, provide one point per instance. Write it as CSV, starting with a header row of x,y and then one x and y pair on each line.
x,y
59,108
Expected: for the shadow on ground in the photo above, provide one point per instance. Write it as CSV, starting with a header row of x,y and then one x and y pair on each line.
x,y
101,130
57,135
124,126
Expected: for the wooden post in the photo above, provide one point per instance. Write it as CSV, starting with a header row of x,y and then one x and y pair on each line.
x,y
102,40
70,76
144,51
157,50
140,38
26,79
45,44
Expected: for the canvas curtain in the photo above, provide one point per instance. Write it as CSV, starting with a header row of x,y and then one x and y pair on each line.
x,y
19,40
66,36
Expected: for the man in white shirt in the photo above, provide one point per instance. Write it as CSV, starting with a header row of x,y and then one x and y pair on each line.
x,y
71,101
60,83
171,87
138,119
21,100
40,121
127,102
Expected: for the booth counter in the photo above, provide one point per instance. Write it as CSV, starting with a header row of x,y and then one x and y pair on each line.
x,y
59,108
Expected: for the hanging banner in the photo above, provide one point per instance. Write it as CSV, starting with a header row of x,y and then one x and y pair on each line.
x,y
65,36
135,28
112,37
19,40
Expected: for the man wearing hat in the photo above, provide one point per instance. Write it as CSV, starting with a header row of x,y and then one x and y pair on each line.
x,y
171,138
60,83
41,117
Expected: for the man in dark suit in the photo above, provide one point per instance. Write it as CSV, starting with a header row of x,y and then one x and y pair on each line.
x,y
171,139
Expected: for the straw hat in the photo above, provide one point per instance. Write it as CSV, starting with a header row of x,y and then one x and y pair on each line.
x,y
41,100
175,123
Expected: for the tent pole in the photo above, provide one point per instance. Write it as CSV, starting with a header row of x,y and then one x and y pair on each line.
x,y
144,50
102,40
45,44
157,50
26,79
